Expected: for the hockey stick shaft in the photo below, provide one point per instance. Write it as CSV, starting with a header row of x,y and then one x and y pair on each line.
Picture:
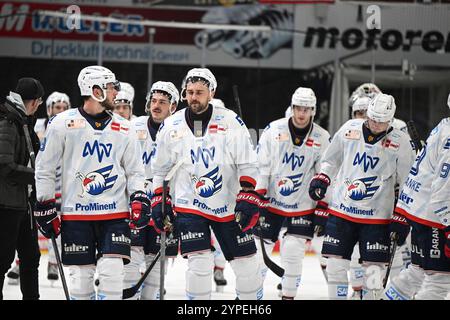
x,y
279,271
412,130
237,101
129,292
391,258
60,267
163,243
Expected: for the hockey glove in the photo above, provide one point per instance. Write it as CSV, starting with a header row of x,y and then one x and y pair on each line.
x,y
247,208
320,218
447,242
399,226
140,210
162,223
47,219
318,186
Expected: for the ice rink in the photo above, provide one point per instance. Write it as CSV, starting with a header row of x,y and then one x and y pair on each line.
x,y
312,287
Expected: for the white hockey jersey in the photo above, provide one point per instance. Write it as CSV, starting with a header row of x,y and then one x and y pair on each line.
x,y
425,197
207,182
139,126
285,169
100,168
364,175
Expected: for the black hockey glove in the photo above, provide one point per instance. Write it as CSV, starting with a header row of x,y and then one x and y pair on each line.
x,y
247,208
320,218
399,227
318,186
162,223
140,210
47,219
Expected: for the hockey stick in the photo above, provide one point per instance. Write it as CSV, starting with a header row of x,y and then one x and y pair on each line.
x,y
163,243
279,271
412,130
60,267
129,292
236,100
394,239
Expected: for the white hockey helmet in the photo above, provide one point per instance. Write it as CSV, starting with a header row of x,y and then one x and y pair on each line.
x,y
218,103
166,87
203,73
304,97
126,94
367,89
56,97
361,104
382,108
96,76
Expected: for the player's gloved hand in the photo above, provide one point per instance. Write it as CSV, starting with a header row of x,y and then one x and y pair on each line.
x,y
447,242
320,218
140,210
246,213
318,186
47,219
399,228
161,223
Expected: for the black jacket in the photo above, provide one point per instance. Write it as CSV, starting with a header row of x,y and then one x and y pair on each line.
x,y
15,175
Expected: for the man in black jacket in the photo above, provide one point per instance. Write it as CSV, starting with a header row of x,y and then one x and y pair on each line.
x,y
18,146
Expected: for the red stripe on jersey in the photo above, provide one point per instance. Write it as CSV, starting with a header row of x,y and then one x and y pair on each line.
x,y
358,220
94,217
290,214
419,220
199,213
248,179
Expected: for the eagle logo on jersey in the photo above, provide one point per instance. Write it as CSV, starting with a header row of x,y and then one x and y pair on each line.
x,y
96,182
209,184
361,189
288,185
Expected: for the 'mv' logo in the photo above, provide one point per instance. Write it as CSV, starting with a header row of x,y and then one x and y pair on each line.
x,y
205,154
97,148
366,161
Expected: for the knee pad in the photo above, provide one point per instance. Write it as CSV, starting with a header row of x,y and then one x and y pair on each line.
x,y
405,285
110,274
81,282
435,286
337,278
248,278
150,290
292,254
268,246
373,280
132,271
199,276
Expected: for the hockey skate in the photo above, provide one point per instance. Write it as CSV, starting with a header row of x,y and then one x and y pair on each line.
x,y
52,272
13,275
280,292
219,279
356,295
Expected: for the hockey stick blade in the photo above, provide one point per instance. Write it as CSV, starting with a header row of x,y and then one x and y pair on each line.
x,y
412,130
279,271
129,292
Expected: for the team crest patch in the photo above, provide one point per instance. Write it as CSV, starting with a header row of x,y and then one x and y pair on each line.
x,y
283,136
361,189
209,184
288,185
95,182
352,134
75,123
142,134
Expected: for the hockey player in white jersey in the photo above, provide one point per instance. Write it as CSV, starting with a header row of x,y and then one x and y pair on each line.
x,y
289,153
101,177
214,187
123,103
424,204
364,160
161,101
